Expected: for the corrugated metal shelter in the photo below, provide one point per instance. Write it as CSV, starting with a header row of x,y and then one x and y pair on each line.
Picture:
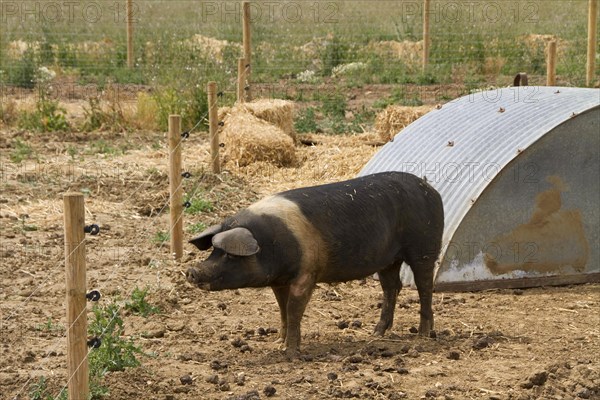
x,y
519,173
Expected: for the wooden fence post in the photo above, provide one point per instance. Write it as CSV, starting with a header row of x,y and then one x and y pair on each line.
x,y
77,362
247,46
176,189
213,127
551,64
591,42
241,82
426,38
129,11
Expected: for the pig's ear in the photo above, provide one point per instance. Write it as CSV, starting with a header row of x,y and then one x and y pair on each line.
x,y
236,241
204,240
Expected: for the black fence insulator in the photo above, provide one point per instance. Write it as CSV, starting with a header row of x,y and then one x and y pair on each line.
x,y
187,204
94,295
92,229
186,174
221,123
185,134
521,79
221,144
220,94
94,342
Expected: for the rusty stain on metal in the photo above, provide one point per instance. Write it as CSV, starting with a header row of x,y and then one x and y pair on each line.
x,y
552,239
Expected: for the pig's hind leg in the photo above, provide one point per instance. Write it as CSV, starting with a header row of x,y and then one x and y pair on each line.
x,y
389,278
423,273
281,294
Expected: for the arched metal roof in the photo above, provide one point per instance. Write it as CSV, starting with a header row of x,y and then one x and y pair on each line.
x,y
463,145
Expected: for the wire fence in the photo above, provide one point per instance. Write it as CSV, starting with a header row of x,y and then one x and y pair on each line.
x,y
352,42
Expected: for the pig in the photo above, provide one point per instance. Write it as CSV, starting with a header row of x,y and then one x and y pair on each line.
x,y
329,233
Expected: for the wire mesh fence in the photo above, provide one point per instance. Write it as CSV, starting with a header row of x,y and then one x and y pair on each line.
x,y
354,41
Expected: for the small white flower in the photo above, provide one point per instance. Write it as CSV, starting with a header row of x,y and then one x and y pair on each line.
x,y
344,69
307,76
45,75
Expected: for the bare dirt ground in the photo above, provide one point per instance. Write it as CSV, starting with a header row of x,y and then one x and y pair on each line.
x,y
541,343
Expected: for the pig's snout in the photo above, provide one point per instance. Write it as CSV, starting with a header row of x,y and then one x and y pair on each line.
x,y
196,277
192,275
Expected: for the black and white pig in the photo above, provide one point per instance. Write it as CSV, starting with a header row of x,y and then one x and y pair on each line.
x,y
329,233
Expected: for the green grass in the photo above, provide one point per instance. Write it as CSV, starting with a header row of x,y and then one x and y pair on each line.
x,y
39,391
48,116
101,146
199,205
305,121
115,353
161,237
50,326
139,305
21,151
399,96
198,227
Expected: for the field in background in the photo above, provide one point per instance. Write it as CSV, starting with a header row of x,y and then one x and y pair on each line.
x,y
181,45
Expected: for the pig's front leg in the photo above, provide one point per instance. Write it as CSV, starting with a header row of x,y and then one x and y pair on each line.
x,y
281,294
299,295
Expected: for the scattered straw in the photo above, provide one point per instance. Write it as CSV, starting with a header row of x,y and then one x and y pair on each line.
x,y
249,139
395,118
335,158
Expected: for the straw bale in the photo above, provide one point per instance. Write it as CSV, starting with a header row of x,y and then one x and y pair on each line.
x,y
315,47
493,65
210,46
249,139
395,118
275,111
537,43
409,52
17,48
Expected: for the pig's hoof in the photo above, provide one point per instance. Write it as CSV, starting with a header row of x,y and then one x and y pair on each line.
x,y
425,327
292,354
279,344
380,329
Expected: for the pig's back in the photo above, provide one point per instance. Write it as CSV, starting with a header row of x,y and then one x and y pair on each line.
x,y
370,222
